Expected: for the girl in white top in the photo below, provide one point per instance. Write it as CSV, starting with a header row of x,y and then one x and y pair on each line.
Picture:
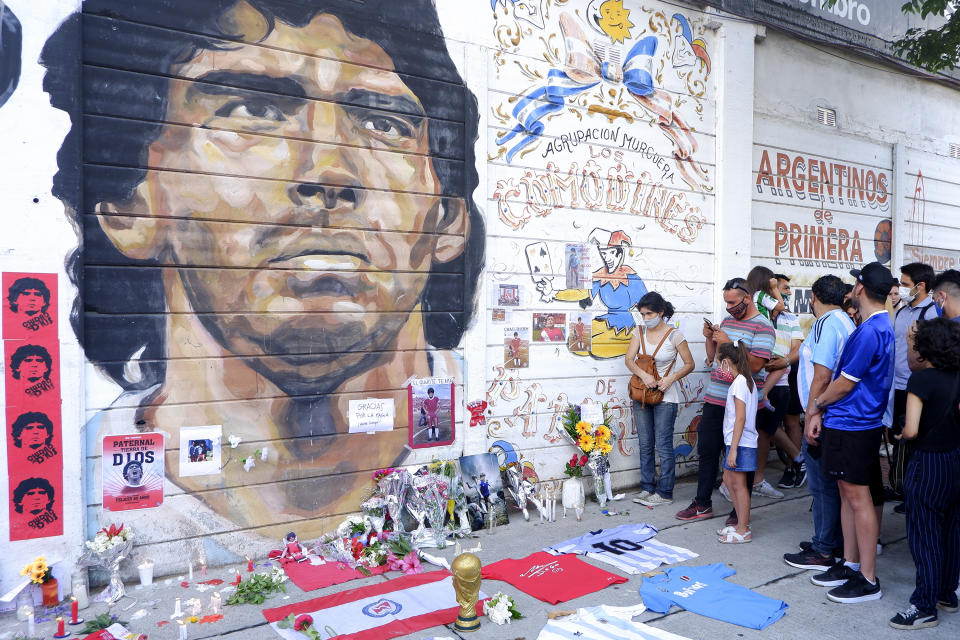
x,y
655,424
740,436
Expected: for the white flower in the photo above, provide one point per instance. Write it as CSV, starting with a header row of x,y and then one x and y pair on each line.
x,y
498,608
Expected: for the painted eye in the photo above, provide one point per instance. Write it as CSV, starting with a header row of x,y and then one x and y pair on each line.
x,y
252,109
386,127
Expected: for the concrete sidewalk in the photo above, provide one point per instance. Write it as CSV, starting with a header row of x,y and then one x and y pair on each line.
x,y
777,525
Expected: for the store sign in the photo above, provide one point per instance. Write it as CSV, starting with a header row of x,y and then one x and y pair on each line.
x,y
880,18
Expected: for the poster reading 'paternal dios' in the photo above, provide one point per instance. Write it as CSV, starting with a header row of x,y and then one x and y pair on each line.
x,y
31,354
132,471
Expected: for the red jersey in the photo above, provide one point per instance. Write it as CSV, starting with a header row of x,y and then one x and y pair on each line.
x,y
431,405
550,578
515,347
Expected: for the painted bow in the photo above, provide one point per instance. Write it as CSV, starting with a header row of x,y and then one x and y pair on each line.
x,y
583,71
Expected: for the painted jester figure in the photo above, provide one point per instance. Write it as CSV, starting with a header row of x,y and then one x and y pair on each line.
x,y
619,288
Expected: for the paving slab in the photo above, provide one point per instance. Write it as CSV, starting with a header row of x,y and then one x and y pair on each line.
x,y
778,526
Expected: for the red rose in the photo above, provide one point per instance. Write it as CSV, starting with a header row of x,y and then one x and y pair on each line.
x,y
583,460
302,622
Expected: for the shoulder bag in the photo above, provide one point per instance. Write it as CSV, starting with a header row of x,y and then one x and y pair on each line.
x,y
639,391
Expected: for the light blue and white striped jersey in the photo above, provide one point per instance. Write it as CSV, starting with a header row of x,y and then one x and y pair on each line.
x,y
629,547
604,623
823,346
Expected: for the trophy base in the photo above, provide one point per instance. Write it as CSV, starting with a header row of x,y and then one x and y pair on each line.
x,y
467,624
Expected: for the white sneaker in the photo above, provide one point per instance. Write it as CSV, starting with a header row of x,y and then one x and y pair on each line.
x,y
764,488
883,451
654,500
725,492
643,495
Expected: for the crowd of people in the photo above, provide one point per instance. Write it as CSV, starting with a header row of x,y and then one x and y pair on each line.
x,y
877,373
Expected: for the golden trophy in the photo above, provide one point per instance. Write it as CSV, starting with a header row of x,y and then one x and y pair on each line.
x,y
466,584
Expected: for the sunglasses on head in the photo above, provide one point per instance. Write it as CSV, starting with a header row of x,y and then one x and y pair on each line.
x,y
736,283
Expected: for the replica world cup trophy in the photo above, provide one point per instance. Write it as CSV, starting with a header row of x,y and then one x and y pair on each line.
x,y
466,584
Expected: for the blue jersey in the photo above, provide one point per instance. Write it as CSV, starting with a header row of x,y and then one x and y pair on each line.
x,y
822,346
868,361
703,590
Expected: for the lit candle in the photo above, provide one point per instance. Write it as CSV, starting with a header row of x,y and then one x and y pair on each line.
x,y
74,609
60,628
190,571
31,625
183,630
237,580
249,564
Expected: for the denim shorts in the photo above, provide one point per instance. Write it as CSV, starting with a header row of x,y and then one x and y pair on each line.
x,y
746,459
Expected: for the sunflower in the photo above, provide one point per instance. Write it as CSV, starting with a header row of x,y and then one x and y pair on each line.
x,y
603,432
583,428
586,443
604,448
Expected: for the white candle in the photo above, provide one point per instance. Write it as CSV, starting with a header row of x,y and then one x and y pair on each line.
x,y
190,571
183,630
176,609
215,601
31,625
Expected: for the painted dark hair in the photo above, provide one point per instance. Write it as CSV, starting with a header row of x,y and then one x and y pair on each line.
x,y
28,485
938,342
739,356
31,417
656,303
24,352
11,39
128,304
25,284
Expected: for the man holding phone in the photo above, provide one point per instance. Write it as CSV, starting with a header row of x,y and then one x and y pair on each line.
x,y
746,325
819,355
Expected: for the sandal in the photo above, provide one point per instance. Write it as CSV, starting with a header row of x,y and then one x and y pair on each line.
x,y
732,537
725,530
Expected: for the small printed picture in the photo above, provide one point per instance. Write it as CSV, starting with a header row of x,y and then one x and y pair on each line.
x,y
578,273
200,450
431,409
579,333
549,327
516,347
508,295
480,477
498,315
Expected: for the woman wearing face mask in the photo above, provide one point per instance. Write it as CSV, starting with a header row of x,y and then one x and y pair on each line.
x,y
655,423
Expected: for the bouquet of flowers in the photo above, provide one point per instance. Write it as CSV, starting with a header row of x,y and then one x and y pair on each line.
x,y
501,609
109,538
575,465
596,442
38,571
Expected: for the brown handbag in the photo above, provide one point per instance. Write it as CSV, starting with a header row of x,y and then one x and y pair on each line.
x,y
639,391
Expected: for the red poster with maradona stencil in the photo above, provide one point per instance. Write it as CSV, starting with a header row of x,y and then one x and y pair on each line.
x,y
31,354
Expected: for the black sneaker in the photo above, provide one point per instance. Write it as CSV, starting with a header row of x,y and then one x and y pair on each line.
x,y
800,471
913,618
856,589
835,576
806,545
809,559
788,480
949,604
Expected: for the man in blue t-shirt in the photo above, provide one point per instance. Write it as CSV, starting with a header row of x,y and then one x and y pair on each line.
x,y
819,355
850,412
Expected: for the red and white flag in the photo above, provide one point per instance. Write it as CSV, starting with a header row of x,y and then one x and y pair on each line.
x,y
393,608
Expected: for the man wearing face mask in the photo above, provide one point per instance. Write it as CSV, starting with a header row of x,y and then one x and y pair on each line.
x,y
746,325
946,294
916,281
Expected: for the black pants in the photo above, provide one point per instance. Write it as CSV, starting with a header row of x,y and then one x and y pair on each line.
x,y
709,450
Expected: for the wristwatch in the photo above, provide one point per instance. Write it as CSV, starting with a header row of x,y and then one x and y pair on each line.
x,y
816,402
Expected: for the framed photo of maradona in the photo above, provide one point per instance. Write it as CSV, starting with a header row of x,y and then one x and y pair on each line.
x,y
201,450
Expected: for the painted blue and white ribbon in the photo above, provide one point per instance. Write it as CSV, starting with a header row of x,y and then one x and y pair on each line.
x,y
636,76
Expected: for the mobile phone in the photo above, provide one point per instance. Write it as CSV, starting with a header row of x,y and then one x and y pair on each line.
x,y
707,322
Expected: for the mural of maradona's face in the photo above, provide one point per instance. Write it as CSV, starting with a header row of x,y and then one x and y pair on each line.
x,y
334,237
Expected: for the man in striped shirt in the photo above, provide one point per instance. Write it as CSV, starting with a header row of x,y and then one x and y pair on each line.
x,y
746,325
